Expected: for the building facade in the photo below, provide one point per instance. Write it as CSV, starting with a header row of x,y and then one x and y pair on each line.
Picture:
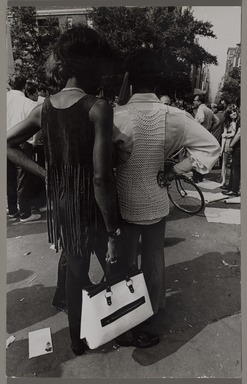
x,y
63,16
233,59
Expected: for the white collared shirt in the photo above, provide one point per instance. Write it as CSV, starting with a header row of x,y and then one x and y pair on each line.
x,y
205,116
18,107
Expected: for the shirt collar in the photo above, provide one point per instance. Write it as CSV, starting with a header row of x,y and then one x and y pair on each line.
x,y
144,97
17,92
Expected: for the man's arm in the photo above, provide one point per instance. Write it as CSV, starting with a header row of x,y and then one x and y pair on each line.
x,y
215,123
200,116
202,148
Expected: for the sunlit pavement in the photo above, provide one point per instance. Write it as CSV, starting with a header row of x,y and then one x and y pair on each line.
x,y
199,327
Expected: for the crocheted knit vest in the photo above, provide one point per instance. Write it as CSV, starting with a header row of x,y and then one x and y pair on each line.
x,y
140,197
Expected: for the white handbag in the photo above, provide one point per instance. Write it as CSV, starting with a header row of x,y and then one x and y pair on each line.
x,y
113,307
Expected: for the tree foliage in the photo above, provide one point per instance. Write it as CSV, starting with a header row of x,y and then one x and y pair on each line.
x,y
172,33
30,44
231,87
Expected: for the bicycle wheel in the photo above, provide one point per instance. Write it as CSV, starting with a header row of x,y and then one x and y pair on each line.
x,y
186,195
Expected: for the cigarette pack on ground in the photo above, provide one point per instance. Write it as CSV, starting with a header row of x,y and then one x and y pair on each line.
x,y
39,342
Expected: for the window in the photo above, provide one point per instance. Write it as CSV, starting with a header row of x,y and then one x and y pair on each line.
x,y
69,22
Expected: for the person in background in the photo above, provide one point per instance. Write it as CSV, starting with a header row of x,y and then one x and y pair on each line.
x,y
43,93
180,104
214,108
19,180
38,185
39,155
219,130
165,99
82,209
230,127
145,133
207,119
31,90
234,149
224,104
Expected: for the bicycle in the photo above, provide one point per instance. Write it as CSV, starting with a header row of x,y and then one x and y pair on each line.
x,y
182,191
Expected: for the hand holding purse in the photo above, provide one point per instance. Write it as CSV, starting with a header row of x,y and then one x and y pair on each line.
x,y
113,307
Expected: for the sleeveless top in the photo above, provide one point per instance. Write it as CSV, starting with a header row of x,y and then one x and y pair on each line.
x,y
140,197
72,211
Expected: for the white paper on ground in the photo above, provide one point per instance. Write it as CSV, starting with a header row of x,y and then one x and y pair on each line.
x,y
208,196
39,342
208,184
211,197
221,215
235,200
10,340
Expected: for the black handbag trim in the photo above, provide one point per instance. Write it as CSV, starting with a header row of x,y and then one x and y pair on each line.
x,y
93,290
122,311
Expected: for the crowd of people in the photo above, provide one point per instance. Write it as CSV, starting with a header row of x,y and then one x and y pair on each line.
x,y
222,120
92,209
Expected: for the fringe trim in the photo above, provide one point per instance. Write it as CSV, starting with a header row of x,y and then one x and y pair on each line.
x,y
75,231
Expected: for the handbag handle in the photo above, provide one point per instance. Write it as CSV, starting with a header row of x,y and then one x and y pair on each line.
x,y
108,281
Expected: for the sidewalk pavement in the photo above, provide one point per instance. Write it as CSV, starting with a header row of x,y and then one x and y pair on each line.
x,y
200,326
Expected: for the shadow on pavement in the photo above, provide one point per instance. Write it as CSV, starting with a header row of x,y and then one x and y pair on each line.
x,y
49,365
176,214
16,228
200,292
168,242
171,241
17,276
34,308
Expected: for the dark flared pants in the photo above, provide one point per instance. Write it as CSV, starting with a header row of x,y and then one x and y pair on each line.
x,y
234,182
25,190
20,186
72,278
152,256
12,187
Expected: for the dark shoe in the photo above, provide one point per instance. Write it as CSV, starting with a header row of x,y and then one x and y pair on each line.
x,y
224,187
126,340
231,193
61,309
32,217
143,340
196,181
14,216
60,306
79,347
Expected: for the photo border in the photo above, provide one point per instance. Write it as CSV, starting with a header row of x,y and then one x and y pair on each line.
x,y
3,237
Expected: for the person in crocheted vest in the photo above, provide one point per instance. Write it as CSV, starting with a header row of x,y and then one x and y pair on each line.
x,y
145,133
81,191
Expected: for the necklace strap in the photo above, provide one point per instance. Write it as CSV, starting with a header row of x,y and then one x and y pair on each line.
x,y
72,89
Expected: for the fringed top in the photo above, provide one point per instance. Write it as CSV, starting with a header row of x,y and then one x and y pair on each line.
x,y
72,211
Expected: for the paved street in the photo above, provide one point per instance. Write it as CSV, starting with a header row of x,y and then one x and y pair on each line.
x,y
199,327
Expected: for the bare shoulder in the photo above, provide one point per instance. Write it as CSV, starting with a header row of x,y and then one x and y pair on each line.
x,y
35,115
100,109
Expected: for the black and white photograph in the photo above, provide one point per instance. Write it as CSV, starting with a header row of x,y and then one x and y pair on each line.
x,y
123,192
